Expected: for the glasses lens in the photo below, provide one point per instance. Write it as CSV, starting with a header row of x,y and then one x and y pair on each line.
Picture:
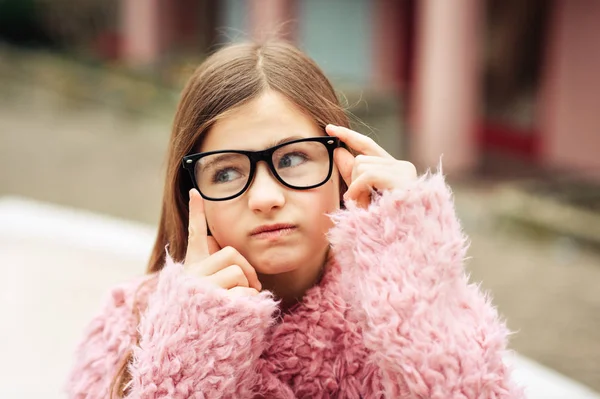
x,y
302,164
222,175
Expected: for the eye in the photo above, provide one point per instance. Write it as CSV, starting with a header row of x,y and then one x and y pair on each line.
x,y
292,159
226,176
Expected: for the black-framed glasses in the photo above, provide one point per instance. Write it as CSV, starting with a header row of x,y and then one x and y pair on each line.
x,y
300,164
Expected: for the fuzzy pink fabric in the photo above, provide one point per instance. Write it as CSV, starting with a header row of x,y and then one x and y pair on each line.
x,y
393,317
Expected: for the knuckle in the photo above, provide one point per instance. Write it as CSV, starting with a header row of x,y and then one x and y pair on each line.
x,y
406,168
360,180
199,267
241,261
369,175
411,168
238,274
237,271
230,251
362,168
196,269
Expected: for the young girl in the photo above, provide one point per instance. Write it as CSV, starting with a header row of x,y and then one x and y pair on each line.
x,y
286,267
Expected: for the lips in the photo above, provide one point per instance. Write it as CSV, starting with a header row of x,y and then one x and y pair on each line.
x,y
272,228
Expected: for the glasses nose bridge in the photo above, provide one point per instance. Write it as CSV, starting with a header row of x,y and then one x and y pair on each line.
x,y
264,155
267,157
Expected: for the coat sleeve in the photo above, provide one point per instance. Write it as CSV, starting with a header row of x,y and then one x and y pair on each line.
x,y
104,344
192,339
431,333
196,339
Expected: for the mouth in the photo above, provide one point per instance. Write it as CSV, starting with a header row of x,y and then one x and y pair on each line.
x,y
273,231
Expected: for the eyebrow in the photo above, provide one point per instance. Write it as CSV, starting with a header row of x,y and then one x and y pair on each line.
x,y
219,158
285,140
269,145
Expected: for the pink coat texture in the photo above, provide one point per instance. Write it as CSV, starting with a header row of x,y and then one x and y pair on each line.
x,y
394,316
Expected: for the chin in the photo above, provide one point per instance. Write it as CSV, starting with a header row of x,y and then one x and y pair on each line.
x,y
276,262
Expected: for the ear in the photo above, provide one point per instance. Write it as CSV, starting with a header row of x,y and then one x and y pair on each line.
x,y
342,182
343,189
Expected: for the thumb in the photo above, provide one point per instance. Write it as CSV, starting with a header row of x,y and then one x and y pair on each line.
x,y
197,249
344,161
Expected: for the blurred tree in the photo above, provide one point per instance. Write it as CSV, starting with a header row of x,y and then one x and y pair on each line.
x,y
21,23
87,26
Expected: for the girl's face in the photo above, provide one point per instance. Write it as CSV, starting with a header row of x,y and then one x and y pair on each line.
x,y
254,126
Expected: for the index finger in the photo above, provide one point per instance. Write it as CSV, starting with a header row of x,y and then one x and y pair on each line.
x,y
197,249
358,142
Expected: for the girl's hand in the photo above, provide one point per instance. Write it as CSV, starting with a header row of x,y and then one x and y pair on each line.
x,y
372,169
226,267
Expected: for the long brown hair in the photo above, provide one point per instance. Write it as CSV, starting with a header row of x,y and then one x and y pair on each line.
x,y
232,76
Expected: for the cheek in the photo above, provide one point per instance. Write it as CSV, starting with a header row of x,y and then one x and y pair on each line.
x,y
217,219
333,192
325,200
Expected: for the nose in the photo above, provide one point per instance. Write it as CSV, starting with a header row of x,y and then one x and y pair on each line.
x,y
265,194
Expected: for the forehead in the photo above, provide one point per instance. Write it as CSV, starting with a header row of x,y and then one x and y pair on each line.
x,y
259,124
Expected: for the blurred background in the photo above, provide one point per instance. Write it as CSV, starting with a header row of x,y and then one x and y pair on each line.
x,y
507,90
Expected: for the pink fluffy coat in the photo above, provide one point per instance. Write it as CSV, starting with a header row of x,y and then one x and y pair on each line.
x,y
393,317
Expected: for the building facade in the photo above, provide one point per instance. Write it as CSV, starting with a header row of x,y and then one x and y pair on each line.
x,y
512,77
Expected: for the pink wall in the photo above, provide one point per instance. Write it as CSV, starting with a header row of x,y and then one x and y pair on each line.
x,y
388,45
570,96
446,94
140,32
270,19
